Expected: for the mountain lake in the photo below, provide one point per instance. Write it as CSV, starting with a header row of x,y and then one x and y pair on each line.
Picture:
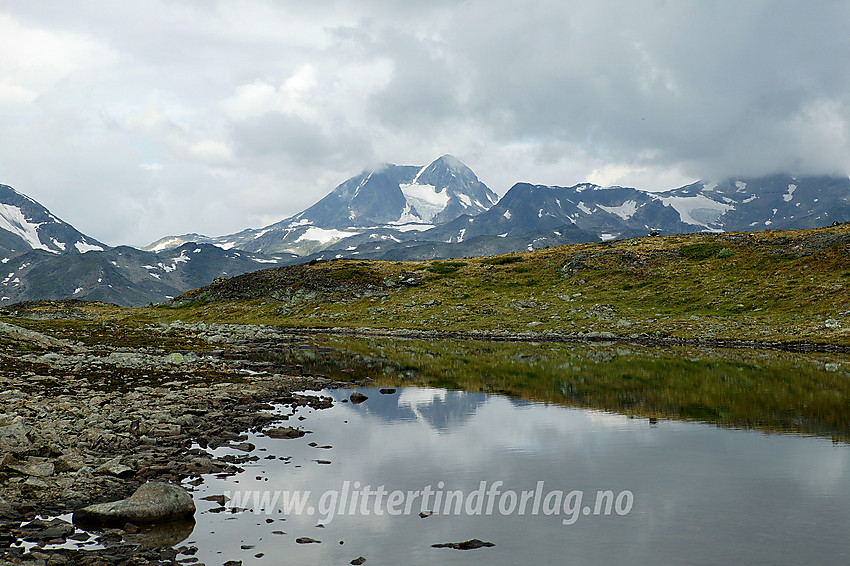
x,y
529,453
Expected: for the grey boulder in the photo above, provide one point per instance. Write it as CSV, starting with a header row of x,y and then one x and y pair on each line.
x,y
151,503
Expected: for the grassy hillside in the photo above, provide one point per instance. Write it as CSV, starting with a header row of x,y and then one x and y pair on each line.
x,y
770,285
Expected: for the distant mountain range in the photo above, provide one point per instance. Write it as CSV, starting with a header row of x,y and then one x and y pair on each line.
x,y
396,212
779,202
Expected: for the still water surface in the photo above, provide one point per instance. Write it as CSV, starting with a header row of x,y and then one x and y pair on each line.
x,y
700,494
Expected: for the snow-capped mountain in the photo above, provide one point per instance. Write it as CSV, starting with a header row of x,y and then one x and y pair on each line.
x,y
395,201
778,201
402,194
26,225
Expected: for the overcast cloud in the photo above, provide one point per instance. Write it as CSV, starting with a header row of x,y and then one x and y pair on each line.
x,y
135,120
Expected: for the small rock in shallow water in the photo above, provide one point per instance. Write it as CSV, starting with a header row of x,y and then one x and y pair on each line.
x,y
285,432
358,561
357,398
220,499
470,544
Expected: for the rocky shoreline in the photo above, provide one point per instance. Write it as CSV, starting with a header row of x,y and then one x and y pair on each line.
x,y
88,424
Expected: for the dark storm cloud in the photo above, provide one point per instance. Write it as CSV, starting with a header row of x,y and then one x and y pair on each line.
x,y
257,108
729,88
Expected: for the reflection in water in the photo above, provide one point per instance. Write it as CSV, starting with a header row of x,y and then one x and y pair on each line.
x,y
770,391
438,408
702,495
161,535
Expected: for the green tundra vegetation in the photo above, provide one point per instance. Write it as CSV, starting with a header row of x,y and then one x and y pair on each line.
x,y
767,286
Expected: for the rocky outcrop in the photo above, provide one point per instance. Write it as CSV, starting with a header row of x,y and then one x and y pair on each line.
x,y
17,333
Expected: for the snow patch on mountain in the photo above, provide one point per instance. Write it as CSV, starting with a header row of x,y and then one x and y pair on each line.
x,y
12,219
624,211
419,174
165,244
787,197
324,235
84,247
698,210
413,226
425,199
407,215
182,258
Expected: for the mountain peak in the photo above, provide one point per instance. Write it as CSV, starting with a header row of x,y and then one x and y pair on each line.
x,y
398,194
451,162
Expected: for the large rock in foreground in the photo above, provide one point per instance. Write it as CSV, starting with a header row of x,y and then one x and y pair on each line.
x,y
151,503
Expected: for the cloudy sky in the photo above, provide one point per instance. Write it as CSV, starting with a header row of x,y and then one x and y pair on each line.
x,y
134,120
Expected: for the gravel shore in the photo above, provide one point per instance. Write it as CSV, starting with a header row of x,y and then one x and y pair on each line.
x,y
87,424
